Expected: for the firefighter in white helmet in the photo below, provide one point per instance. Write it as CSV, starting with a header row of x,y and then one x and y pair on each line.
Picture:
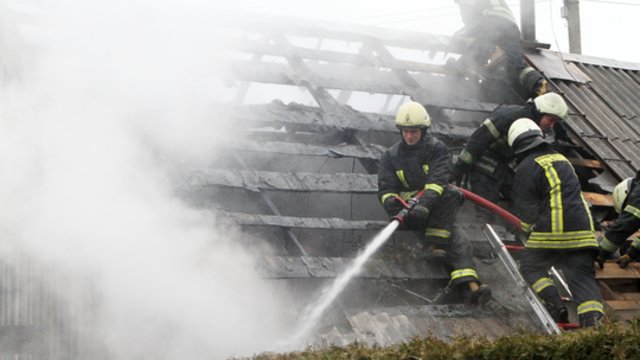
x,y
422,162
486,157
549,202
626,201
490,35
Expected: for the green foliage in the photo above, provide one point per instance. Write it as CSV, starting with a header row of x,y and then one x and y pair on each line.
x,y
611,341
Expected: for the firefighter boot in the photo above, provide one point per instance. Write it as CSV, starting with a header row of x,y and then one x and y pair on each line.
x,y
560,316
480,294
591,319
554,304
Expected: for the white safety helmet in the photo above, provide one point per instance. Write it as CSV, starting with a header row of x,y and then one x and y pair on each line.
x,y
524,134
552,104
412,114
620,193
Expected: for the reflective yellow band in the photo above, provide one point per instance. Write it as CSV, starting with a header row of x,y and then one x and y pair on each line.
x,y
457,274
435,187
526,227
636,243
573,244
441,233
586,208
524,73
492,128
498,9
591,305
466,156
568,235
608,245
566,240
542,284
400,175
425,168
384,197
632,210
546,160
555,190
407,194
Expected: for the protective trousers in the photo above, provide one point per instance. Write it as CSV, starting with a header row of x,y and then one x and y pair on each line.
x,y
577,267
439,233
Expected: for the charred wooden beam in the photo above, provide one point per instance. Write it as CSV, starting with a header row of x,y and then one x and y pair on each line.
x,y
365,151
366,79
287,267
278,181
300,222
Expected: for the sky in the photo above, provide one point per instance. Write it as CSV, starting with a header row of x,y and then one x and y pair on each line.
x,y
609,27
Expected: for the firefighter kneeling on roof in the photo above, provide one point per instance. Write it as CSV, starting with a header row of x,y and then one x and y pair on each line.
x,y
549,202
421,162
626,201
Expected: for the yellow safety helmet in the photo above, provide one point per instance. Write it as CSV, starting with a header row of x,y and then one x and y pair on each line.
x,y
552,104
524,134
412,114
620,193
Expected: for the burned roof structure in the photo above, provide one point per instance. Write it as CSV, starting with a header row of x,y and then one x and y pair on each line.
x,y
302,178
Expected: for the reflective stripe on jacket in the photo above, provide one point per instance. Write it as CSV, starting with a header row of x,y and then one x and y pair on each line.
x,y
405,170
548,196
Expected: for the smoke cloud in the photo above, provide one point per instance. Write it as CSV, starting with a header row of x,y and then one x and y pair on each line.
x,y
92,92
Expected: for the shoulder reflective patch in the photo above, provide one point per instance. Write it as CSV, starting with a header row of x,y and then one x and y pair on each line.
x,y
400,175
492,128
632,210
425,168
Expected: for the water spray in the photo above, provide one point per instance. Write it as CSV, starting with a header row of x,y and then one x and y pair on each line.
x,y
341,281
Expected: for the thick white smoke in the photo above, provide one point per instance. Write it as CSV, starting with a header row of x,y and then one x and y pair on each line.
x,y
90,96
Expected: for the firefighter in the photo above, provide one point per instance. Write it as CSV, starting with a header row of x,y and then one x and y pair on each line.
x,y
626,201
549,202
422,162
490,32
486,156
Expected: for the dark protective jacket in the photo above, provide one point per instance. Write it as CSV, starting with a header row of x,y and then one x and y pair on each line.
x,y
482,10
549,202
491,137
627,223
405,170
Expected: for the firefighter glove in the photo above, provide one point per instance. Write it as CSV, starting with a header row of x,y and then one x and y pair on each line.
x,y
603,255
624,260
459,169
392,205
418,215
632,254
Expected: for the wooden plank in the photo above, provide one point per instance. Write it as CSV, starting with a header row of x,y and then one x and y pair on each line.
x,y
588,163
613,271
607,292
622,305
597,199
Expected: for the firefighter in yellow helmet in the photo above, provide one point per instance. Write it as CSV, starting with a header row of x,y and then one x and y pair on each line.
x,y
626,201
490,35
486,157
549,202
422,162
